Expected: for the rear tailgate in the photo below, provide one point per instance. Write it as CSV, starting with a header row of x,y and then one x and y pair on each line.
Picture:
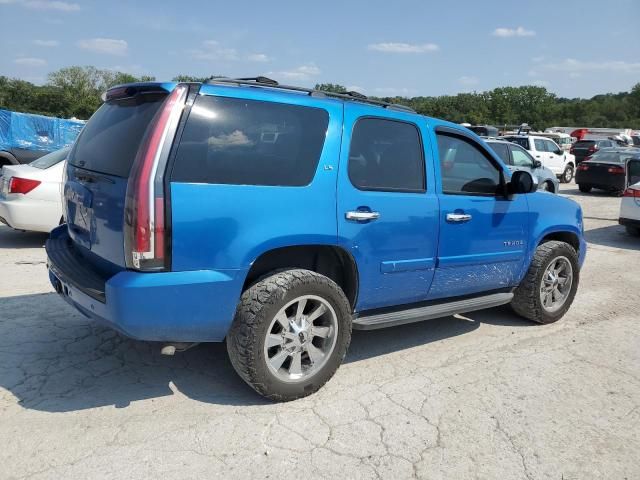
x,y
98,171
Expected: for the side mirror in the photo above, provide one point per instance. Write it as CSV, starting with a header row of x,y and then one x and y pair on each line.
x,y
521,182
559,151
537,164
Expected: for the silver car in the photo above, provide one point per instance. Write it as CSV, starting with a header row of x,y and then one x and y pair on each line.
x,y
517,158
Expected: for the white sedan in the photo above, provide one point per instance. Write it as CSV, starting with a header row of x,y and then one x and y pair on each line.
x,y
630,209
31,194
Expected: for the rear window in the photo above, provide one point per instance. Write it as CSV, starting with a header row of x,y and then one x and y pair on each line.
x,y
610,157
110,140
584,144
523,142
249,142
50,159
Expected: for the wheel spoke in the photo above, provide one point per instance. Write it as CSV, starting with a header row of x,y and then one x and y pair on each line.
x,y
278,359
315,354
316,313
547,298
296,364
563,280
301,305
274,340
282,319
322,332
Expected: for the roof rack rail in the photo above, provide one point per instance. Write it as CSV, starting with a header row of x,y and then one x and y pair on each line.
x,y
269,83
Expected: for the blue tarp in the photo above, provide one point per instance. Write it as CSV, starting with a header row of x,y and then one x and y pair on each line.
x,y
36,132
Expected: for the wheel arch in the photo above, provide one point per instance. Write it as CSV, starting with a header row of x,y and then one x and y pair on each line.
x,y
7,158
329,260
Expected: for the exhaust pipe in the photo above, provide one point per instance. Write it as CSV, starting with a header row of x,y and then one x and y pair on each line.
x,y
171,348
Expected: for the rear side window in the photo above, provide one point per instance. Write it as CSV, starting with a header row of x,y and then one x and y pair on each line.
x,y
540,145
502,151
110,140
523,142
386,155
249,142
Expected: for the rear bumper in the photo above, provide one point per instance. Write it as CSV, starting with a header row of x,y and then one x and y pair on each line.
x,y
35,216
603,182
192,306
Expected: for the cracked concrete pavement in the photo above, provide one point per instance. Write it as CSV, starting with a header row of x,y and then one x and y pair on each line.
x,y
484,395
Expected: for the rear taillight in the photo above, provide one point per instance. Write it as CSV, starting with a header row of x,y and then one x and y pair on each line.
x,y
616,170
582,167
22,185
631,192
144,218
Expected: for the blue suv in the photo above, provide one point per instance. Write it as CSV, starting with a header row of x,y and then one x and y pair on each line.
x,y
278,218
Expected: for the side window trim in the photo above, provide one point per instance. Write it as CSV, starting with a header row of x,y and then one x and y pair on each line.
x,y
421,149
454,133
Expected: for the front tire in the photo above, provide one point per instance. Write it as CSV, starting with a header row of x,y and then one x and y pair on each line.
x,y
548,289
567,175
290,334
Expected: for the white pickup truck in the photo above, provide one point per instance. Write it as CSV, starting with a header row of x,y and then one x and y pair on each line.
x,y
561,163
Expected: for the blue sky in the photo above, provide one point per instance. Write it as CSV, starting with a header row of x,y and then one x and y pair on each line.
x,y
574,48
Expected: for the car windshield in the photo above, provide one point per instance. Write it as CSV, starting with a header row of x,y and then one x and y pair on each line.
x,y
51,159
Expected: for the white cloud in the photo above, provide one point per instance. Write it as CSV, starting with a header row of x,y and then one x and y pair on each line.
x,y
57,5
212,50
258,57
109,46
355,88
398,47
46,43
573,66
30,62
541,83
303,72
538,59
468,81
513,32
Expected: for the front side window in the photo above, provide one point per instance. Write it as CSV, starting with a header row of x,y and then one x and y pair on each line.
x,y
386,155
551,146
521,158
250,142
465,168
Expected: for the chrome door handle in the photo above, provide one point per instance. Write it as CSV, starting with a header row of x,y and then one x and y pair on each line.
x,y
361,216
458,217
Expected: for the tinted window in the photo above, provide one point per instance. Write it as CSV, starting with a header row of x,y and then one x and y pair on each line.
x,y
386,155
521,158
51,159
465,169
110,140
636,140
250,142
502,151
523,142
584,144
634,171
605,156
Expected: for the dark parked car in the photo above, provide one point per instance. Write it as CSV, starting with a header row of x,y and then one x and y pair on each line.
x,y
583,148
605,170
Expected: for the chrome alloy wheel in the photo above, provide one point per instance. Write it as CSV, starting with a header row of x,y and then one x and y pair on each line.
x,y
301,338
556,284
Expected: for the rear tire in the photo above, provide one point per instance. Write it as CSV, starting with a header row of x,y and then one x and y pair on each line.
x,y
528,297
270,325
585,188
567,175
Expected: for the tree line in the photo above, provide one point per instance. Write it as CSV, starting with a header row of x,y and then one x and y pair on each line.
x,y
75,92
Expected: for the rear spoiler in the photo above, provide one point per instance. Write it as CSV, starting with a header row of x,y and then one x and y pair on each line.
x,y
130,90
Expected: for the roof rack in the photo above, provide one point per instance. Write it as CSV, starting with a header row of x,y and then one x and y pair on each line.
x,y
269,83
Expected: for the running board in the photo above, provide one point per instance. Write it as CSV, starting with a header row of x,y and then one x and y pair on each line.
x,y
400,317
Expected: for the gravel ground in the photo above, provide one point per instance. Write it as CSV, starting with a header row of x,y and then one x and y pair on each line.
x,y
484,395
